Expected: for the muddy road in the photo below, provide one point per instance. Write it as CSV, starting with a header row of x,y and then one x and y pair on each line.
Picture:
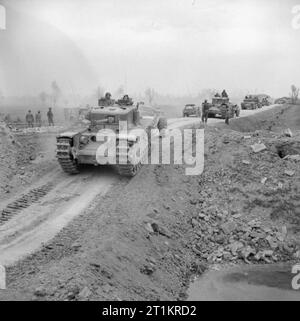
x,y
39,212
47,213
145,237
33,222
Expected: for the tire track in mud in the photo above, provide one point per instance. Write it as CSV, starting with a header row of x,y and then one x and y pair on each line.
x,y
23,202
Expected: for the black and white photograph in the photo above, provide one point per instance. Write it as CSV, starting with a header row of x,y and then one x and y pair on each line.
x,y
149,152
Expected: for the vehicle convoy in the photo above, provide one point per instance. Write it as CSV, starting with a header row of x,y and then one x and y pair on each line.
x,y
251,102
191,110
114,136
218,107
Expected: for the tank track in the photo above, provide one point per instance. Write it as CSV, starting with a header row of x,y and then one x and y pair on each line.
x,y
129,170
64,156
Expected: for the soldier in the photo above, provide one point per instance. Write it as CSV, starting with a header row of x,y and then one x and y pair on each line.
x,y
29,119
205,109
224,94
108,100
38,119
227,114
50,117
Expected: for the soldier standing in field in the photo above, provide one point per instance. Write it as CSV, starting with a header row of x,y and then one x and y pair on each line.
x,y
205,109
227,114
38,119
50,117
29,119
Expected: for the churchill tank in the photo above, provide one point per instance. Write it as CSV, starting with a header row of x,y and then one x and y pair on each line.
x,y
117,134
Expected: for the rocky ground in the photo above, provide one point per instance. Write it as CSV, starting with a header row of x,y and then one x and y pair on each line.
x,y
149,236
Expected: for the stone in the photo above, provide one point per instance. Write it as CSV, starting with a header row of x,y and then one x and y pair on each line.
x,y
235,246
258,235
201,215
263,180
272,242
288,133
245,162
258,147
147,269
246,252
297,254
164,231
293,157
236,216
40,291
84,293
149,228
254,223
194,222
166,206
228,227
289,173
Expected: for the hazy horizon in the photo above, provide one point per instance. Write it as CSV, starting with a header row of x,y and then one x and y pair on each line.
x,y
176,47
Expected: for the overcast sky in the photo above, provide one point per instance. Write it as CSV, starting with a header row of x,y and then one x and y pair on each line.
x,y
174,46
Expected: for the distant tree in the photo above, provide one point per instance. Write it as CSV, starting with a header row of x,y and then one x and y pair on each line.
x,y
43,97
56,92
150,94
294,94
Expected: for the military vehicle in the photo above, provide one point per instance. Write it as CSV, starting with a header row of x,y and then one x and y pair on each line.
x,y
251,102
191,110
283,100
75,148
218,107
265,102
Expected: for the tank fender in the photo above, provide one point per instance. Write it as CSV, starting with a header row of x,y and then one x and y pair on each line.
x,y
67,135
73,136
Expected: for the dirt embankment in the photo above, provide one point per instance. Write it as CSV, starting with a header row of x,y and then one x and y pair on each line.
x,y
149,235
275,119
24,158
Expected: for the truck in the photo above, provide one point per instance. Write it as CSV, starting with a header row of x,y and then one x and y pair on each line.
x,y
191,110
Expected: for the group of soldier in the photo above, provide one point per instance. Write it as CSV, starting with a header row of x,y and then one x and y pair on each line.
x,y
36,121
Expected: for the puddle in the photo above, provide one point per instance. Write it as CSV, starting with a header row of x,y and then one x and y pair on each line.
x,y
259,282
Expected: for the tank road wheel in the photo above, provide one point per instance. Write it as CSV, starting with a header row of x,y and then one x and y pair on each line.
x,y
129,170
64,156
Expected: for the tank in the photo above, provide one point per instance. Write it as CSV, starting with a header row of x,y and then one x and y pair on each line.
x,y
75,148
218,107
251,102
